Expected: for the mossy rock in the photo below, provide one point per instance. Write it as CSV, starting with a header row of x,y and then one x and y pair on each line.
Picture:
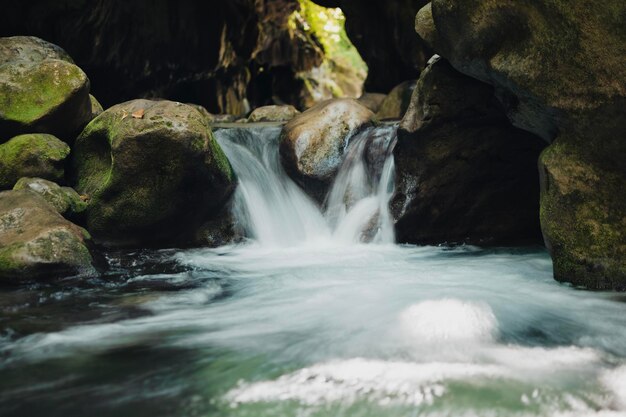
x,y
397,101
152,172
33,155
43,96
36,242
273,114
65,200
583,217
30,48
96,107
313,143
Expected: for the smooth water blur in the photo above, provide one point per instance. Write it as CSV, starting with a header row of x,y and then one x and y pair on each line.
x,y
362,330
305,319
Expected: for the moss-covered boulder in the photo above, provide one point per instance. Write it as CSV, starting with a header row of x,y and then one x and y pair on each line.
x,y
96,107
463,173
151,172
36,155
558,69
41,90
397,101
65,200
313,143
273,114
583,215
36,242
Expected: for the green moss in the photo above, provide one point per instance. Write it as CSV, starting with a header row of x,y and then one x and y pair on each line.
x,y
33,155
30,91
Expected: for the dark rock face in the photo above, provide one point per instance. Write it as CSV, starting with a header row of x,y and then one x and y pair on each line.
x,y
558,68
463,173
382,31
152,173
206,52
37,243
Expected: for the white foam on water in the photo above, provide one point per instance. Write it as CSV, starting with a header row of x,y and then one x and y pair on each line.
x,y
615,381
449,321
384,382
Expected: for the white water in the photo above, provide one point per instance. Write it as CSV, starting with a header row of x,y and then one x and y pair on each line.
x,y
274,211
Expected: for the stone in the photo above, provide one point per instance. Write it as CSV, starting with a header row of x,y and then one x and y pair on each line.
x,y
273,113
397,101
34,155
65,200
151,172
313,143
37,243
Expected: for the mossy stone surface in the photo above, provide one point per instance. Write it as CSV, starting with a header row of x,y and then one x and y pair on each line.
x,y
32,155
64,199
30,48
583,217
36,242
151,172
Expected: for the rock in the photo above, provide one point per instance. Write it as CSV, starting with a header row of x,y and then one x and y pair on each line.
x,y
96,107
583,216
47,95
31,49
313,143
372,101
152,173
36,242
273,114
463,173
35,155
558,69
397,101
425,25
64,199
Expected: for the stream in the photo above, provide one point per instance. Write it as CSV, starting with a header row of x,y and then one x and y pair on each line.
x,y
317,313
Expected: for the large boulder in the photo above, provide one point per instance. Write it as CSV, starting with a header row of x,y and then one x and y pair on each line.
x,y
65,200
558,68
313,143
36,242
152,173
397,101
36,155
372,101
273,114
41,90
463,173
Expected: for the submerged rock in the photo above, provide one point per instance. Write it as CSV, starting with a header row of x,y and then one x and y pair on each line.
x,y
36,242
463,173
313,143
65,200
152,173
397,101
273,114
41,90
35,155
558,69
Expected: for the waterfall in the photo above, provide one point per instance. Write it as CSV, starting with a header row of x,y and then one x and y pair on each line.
x,y
271,209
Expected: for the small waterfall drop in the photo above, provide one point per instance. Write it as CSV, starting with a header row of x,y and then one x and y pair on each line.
x,y
271,209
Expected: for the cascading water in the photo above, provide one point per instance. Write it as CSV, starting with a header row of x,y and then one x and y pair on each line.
x,y
273,210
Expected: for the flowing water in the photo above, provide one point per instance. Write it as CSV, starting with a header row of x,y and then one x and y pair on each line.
x,y
317,314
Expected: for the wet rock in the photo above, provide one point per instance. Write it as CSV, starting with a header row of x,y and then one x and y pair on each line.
x,y
65,200
313,143
397,101
36,242
41,90
34,155
558,69
152,173
463,173
273,114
